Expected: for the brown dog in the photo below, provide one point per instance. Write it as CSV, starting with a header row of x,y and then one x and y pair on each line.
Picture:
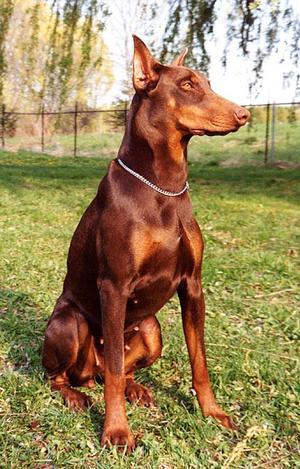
x,y
135,246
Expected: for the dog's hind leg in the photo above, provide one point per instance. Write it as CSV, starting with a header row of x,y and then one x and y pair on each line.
x,y
66,353
143,346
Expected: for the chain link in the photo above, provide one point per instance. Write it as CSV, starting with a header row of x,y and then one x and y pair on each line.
x,y
150,184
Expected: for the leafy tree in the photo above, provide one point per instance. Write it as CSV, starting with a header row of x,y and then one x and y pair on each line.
x,y
128,17
256,26
6,9
72,16
54,53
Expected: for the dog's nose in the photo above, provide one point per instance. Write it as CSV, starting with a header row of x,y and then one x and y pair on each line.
x,y
241,115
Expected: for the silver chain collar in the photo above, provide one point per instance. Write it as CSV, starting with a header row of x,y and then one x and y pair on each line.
x,y
150,184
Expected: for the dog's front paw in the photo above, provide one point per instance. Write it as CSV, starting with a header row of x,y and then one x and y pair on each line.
x,y
122,438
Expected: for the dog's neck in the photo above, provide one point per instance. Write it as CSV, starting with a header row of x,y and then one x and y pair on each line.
x,y
153,150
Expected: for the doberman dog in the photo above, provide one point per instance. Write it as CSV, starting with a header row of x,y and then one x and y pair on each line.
x,y
135,246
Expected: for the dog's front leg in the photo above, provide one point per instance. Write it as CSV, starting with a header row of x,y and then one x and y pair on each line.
x,y
193,315
113,306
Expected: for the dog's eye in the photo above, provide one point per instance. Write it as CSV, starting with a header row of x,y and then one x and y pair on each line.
x,y
187,85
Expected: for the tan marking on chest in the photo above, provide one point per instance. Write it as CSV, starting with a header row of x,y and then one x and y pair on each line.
x,y
145,243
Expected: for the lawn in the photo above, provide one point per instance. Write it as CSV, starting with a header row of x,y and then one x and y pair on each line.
x,y
250,221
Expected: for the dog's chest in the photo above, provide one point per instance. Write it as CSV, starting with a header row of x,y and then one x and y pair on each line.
x,y
154,244
162,257
166,244
163,254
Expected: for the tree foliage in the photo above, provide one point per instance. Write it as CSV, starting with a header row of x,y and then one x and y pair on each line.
x,y
6,9
256,26
54,52
128,17
72,16
192,21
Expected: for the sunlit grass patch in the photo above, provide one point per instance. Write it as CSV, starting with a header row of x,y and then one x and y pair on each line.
x,y
250,222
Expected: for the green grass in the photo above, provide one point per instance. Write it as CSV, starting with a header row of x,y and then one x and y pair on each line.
x,y
250,221
246,147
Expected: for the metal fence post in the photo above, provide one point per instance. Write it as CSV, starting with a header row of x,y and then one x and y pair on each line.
x,y
43,128
272,152
75,129
3,126
267,134
125,114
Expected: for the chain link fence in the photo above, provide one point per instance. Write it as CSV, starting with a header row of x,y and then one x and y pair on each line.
x,y
272,135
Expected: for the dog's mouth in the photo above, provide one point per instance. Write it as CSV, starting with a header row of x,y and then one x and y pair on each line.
x,y
211,133
198,132
222,132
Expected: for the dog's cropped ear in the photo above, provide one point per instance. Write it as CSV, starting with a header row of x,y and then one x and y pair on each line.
x,y
146,69
179,60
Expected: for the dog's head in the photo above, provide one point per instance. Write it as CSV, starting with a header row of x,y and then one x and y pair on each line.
x,y
185,94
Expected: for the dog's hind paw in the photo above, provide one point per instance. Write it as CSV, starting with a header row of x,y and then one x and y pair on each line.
x,y
76,400
138,394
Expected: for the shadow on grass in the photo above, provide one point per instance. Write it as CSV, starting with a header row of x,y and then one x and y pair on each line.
x,y
14,175
22,328
172,391
246,182
26,171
